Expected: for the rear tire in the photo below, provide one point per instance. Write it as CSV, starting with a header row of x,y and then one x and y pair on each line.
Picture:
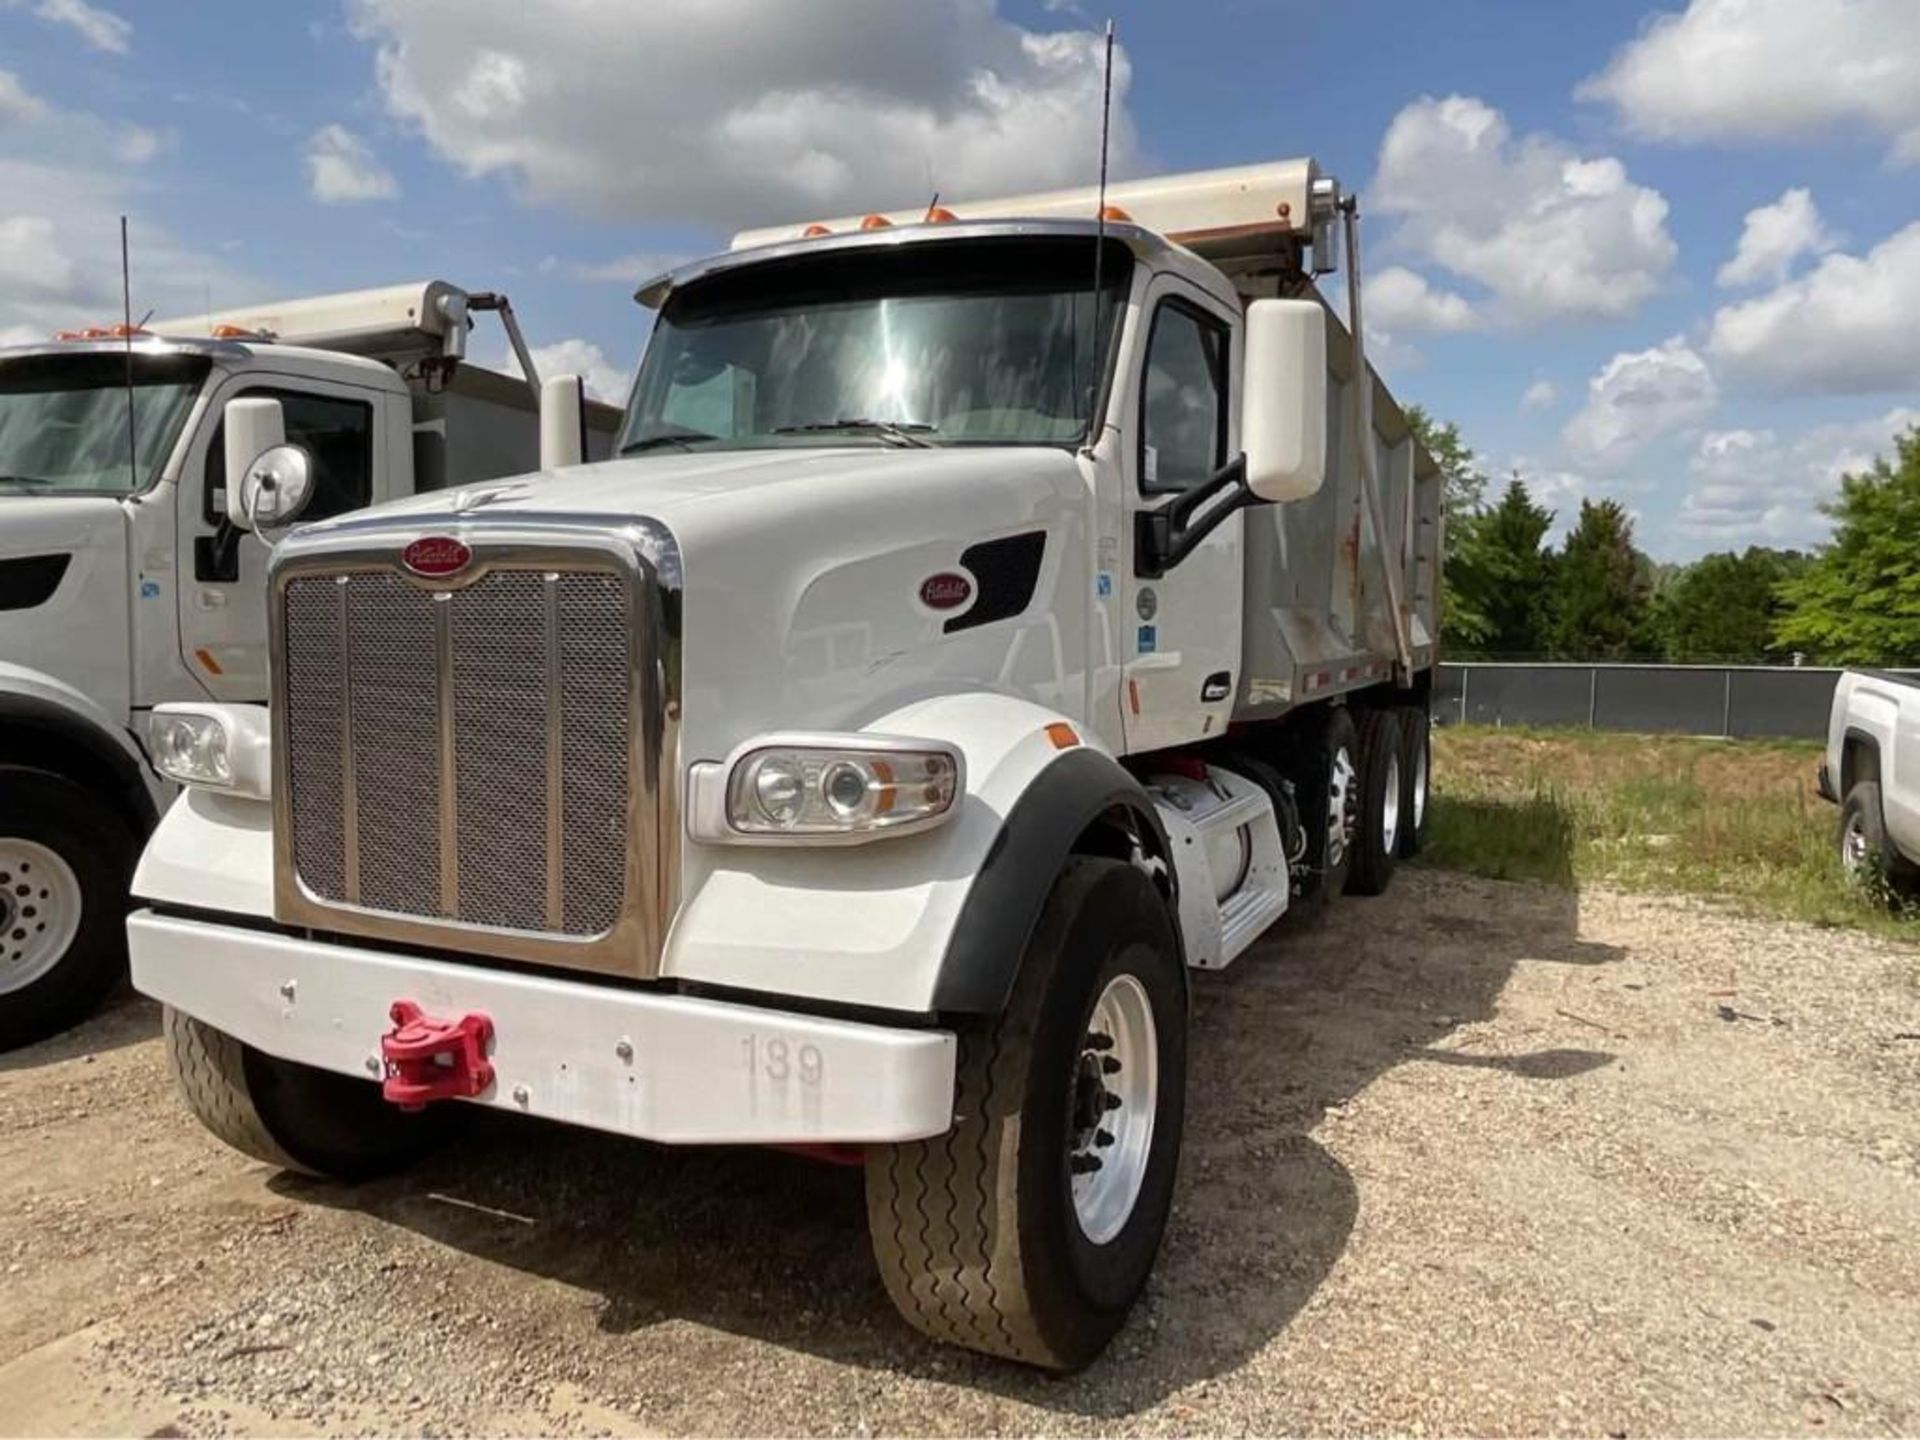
x,y
66,859
293,1116
997,1235
1866,854
1376,849
1416,775
1322,759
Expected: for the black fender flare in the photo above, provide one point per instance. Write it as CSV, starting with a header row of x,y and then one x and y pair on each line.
x,y
58,736
1067,800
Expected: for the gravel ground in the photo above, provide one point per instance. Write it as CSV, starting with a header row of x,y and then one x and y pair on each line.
x,y
1472,1157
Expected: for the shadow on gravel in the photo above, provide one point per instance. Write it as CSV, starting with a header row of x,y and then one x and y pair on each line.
x,y
126,1019
773,1248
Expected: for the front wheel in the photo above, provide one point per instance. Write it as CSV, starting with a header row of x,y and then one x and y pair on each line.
x,y
1030,1228
66,857
1866,854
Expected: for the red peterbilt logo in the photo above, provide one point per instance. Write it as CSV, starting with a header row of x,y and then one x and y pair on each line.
x,y
945,591
435,556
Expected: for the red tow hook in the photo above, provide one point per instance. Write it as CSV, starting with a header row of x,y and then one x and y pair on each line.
x,y
430,1059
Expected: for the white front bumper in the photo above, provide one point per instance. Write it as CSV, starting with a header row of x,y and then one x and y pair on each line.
x,y
660,1067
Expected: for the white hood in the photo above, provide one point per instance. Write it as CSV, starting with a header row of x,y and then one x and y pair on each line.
x,y
803,567
78,634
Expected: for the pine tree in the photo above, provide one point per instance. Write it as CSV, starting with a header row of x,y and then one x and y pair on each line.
x,y
1858,602
1599,602
1501,575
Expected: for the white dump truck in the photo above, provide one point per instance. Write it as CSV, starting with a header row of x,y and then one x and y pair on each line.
x,y
998,613
124,581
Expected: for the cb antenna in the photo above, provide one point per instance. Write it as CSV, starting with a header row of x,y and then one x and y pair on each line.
x,y
1100,242
126,331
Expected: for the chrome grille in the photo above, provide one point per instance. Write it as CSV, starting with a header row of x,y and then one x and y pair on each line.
x,y
462,754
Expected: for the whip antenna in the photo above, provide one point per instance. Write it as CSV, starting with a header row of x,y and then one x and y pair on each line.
x,y
1100,240
126,330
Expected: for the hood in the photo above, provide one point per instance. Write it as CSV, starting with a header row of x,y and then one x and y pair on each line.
x,y
803,573
63,600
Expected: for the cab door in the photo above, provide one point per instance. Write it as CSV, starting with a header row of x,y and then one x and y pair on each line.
x,y
223,570
1181,631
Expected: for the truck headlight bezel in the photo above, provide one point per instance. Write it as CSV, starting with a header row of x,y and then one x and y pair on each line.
x,y
225,748
825,790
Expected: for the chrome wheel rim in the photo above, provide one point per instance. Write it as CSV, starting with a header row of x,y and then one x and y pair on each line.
x,y
1390,811
1855,853
1420,763
1116,1089
39,911
1342,789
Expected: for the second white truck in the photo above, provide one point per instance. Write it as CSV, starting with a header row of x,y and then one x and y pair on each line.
x,y
997,613
1872,772
125,583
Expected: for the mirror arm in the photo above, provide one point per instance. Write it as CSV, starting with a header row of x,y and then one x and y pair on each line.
x,y
1164,537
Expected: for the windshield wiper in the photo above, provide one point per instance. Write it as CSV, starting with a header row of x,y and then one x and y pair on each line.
x,y
897,432
26,480
680,440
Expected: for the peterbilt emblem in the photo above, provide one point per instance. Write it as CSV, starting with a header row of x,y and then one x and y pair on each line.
x,y
436,556
945,591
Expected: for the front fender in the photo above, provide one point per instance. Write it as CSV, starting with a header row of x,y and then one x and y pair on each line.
x,y
50,707
922,923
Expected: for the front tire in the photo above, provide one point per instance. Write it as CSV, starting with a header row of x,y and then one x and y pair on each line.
x,y
1866,854
293,1116
1030,1228
66,859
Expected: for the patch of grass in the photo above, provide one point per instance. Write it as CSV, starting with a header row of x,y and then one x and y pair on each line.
x,y
1732,820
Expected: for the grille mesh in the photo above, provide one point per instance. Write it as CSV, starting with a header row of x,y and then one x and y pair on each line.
x,y
363,680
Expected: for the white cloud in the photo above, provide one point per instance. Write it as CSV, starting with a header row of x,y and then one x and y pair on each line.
x,y
136,145
16,101
1753,487
1402,300
1540,395
1550,234
628,270
1846,326
60,251
1638,397
829,106
1742,70
102,29
342,170
1773,238
604,379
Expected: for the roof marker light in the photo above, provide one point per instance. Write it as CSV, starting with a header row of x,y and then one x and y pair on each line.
x,y
876,222
814,232
1115,214
939,215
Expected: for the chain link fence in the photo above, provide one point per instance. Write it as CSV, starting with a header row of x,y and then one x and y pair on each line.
x,y
1735,701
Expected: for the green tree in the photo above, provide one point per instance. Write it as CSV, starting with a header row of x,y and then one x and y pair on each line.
x,y
1725,606
1598,608
1858,601
1501,575
1465,484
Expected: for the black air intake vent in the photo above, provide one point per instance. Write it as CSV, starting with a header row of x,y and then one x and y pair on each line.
x,y
1007,570
30,580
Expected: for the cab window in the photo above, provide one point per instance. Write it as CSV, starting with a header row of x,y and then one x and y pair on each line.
x,y
1183,399
337,433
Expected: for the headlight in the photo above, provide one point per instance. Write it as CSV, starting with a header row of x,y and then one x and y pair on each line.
x,y
221,747
821,789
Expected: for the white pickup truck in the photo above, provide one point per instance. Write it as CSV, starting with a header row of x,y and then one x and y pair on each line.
x,y
1872,771
997,612
124,582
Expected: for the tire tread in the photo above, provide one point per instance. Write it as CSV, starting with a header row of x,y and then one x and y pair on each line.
x,y
210,1070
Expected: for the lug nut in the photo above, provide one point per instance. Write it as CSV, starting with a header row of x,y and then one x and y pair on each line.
x,y
1110,1100
1097,1041
1084,1164
1109,1066
1103,1138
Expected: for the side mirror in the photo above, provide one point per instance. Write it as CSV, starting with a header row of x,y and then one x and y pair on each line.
x,y
253,427
1283,398
563,422
276,489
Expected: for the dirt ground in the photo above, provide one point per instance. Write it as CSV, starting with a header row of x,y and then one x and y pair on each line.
x,y
1473,1157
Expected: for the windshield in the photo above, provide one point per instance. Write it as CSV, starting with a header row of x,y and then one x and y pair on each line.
x,y
63,420
938,343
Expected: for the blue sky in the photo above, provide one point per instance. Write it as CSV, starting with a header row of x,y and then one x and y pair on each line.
x,y
1555,193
